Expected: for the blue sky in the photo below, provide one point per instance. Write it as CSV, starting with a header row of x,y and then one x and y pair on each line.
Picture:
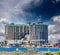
x,y
24,11
29,10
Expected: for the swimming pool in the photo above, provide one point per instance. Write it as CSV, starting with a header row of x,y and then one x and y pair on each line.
x,y
13,49
48,49
33,49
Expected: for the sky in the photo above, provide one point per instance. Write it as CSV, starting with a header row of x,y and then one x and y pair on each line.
x,y
24,11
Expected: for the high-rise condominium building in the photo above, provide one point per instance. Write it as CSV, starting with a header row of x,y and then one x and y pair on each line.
x,y
39,32
16,31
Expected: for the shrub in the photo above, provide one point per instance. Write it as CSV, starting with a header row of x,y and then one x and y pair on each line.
x,y
58,53
49,53
45,54
17,53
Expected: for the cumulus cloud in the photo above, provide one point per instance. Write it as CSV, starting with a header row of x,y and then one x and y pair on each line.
x,y
4,20
55,1
15,9
54,30
2,30
38,2
2,38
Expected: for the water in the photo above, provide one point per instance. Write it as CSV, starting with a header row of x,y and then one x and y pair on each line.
x,y
26,49
48,49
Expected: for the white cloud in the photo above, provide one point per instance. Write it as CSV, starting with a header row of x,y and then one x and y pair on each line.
x,y
56,19
4,20
54,30
51,29
2,29
15,8
38,2
55,1
2,38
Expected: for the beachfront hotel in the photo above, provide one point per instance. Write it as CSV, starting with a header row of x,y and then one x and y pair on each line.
x,y
38,32
16,31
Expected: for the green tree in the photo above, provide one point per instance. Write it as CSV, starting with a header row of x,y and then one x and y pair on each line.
x,y
58,53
